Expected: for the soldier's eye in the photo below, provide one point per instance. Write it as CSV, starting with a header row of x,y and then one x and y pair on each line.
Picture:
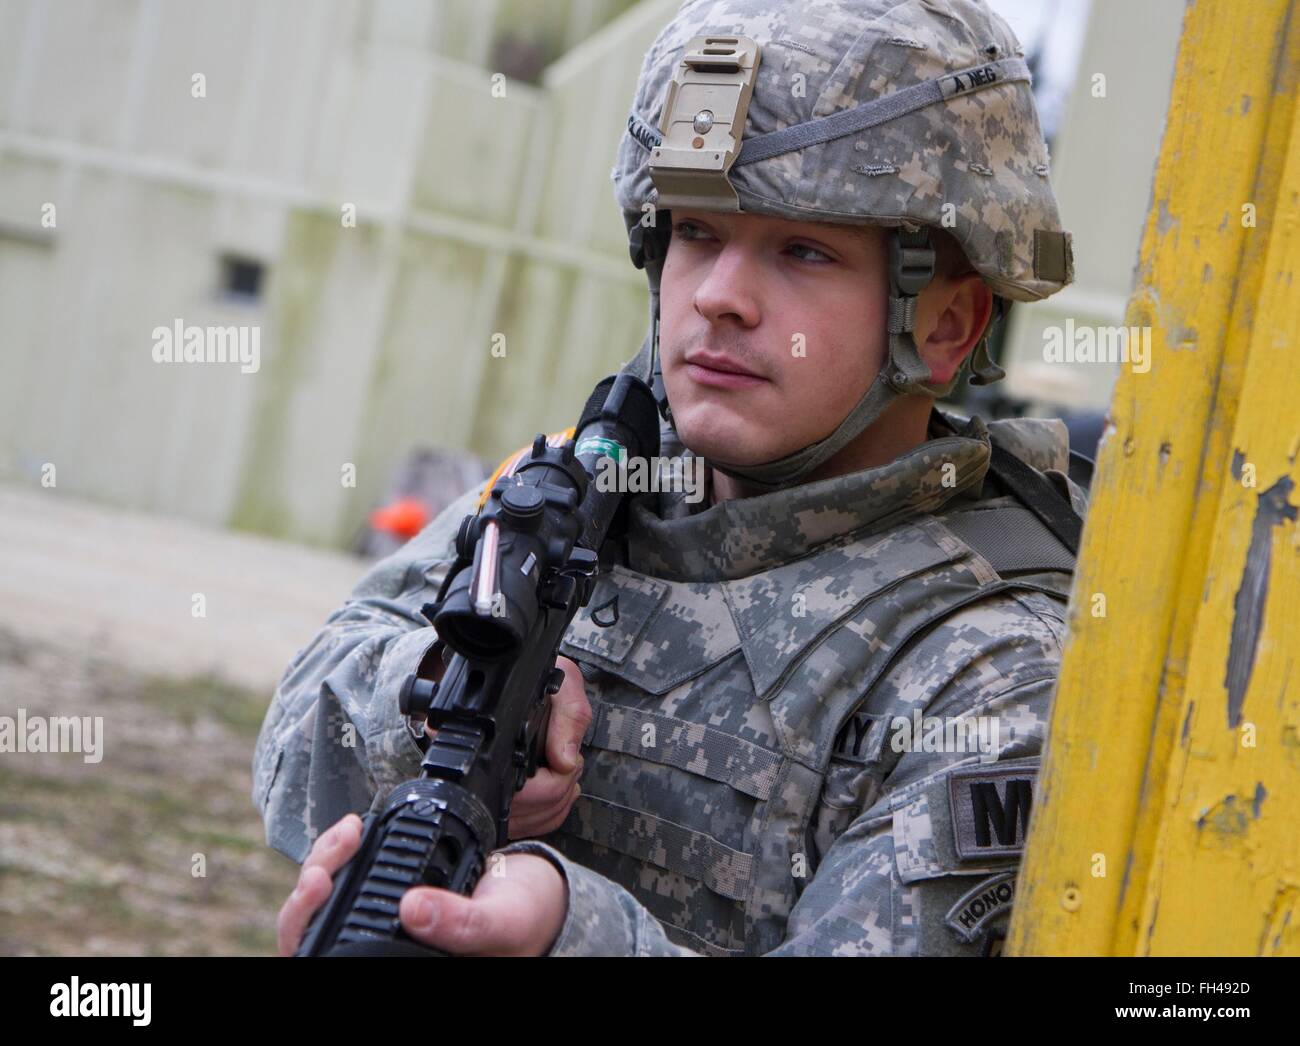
x,y
688,230
812,255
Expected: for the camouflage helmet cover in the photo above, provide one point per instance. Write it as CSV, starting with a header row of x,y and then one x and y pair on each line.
x,y
973,162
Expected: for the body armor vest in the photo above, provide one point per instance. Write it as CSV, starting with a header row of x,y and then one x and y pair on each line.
x,y
719,692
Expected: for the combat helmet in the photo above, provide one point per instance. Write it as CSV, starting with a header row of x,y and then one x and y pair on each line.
x,y
911,116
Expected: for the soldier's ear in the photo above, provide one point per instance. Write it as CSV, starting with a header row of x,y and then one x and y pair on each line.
x,y
951,316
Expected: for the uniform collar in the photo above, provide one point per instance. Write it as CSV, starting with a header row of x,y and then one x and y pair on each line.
x,y
746,535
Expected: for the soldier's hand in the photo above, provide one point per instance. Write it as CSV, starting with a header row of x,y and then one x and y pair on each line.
x,y
543,803
331,851
518,908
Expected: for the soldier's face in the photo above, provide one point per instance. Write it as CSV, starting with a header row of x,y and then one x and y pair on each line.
x,y
770,330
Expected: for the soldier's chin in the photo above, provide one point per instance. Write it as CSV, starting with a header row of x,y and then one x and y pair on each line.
x,y
721,430
716,443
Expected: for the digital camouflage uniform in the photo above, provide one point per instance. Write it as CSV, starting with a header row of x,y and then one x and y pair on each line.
x,y
744,690
749,785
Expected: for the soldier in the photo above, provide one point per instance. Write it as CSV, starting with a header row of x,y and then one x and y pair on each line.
x,y
811,707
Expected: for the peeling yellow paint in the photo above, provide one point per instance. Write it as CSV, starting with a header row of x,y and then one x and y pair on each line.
x,y
1145,763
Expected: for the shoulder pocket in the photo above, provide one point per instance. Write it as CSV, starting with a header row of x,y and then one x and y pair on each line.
x,y
652,633
612,621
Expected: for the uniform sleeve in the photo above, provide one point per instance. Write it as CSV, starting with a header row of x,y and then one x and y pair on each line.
x,y
603,919
930,868
928,864
333,736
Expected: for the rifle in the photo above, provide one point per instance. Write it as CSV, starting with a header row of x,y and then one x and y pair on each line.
x,y
525,565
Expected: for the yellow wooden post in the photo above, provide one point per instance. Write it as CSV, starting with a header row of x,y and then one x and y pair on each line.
x,y
1167,820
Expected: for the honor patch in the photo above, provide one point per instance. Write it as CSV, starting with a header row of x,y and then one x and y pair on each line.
x,y
990,810
983,902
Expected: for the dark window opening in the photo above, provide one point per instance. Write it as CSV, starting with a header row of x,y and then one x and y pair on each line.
x,y
242,277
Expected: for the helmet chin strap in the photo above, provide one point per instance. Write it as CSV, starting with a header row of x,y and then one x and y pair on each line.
x,y
904,373
648,248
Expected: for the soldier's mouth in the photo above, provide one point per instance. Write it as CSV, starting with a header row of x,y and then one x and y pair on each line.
x,y
721,379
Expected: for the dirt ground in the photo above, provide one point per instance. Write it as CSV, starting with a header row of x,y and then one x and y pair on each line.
x,y
100,858
96,619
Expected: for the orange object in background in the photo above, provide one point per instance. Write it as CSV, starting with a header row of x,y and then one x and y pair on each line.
x,y
404,518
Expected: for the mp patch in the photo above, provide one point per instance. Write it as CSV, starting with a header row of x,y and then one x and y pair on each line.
x,y
982,903
990,810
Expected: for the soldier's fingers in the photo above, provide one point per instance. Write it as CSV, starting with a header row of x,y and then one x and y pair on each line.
x,y
312,891
560,815
335,847
508,915
544,788
570,716
543,821
536,811
442,919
